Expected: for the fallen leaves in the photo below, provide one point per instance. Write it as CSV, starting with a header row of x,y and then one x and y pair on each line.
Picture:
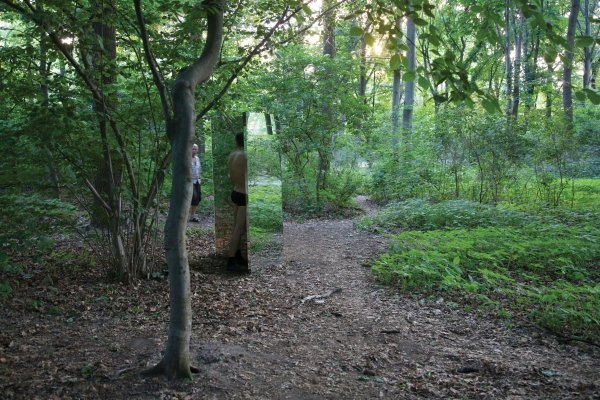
x,y
313,326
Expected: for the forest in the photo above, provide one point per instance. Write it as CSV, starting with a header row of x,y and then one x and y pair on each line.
x,y
472,125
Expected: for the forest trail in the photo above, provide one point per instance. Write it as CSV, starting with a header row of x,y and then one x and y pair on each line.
x,y
314,326
319,326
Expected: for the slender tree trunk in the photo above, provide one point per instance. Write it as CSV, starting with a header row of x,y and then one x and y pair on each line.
x,y
409,87
176,361
518,35
549,92
531,45
45,91
108,177
568,67
269,123
588,51
507,60
396,99
362,79
329,46
324,151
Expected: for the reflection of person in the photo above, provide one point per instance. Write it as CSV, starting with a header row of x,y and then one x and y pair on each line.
x,y
237,163
196,194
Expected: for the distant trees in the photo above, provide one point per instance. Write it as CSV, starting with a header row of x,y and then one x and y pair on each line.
x,y
102,110
100,98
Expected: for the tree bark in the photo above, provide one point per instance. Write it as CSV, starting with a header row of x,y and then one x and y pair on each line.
x,y
396,98
409,86
531,46
329,46
362,79
549,91
176,361
588,51
48,143
507,60
324,150
518,27
568,67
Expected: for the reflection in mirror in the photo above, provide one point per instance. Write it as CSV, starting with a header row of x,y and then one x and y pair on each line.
x,y
223,144
264,189
262,243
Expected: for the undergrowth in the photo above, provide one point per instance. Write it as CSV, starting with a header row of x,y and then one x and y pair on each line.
x,y
265,215
28,223
542,267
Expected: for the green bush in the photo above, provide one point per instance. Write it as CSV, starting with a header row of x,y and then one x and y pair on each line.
x,y
265,208
28,220
419,214
547,271
28,223
540,264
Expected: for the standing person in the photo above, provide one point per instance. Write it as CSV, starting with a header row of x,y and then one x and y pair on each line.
x,y
196,194
237,164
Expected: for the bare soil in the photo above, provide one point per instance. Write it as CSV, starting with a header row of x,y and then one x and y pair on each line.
x,y
311,325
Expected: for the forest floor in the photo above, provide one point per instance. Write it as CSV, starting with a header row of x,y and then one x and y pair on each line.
x,y
313,324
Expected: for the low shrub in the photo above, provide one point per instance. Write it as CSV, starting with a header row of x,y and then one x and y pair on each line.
x,y
534,267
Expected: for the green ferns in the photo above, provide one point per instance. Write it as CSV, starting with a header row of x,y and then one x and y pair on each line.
x,y
520,265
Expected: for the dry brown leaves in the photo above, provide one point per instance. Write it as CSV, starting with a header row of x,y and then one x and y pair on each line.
x,y
312,326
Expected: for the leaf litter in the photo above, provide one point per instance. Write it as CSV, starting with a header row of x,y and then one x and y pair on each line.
x,y
313,325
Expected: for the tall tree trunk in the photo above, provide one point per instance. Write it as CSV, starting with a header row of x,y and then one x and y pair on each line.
x,y
549,91
396,97
396,100
329,46
362,79
507,60
568,67
108,175
531,46
48,141
269,123
588,51
329,49
409,87
516,93
175,363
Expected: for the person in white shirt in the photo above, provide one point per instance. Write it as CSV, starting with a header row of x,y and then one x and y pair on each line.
x,y
196,180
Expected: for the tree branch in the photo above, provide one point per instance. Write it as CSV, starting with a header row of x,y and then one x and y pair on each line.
x,y
163,91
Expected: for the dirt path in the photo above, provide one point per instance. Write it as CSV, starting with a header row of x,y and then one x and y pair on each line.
x,y
315,326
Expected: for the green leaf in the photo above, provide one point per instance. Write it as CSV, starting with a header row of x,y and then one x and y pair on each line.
x,y
420,22
550,56
490,105
356,30
409,76
584,41
434,40
395,62
306,9
593,95
369,39
580,95
423,82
